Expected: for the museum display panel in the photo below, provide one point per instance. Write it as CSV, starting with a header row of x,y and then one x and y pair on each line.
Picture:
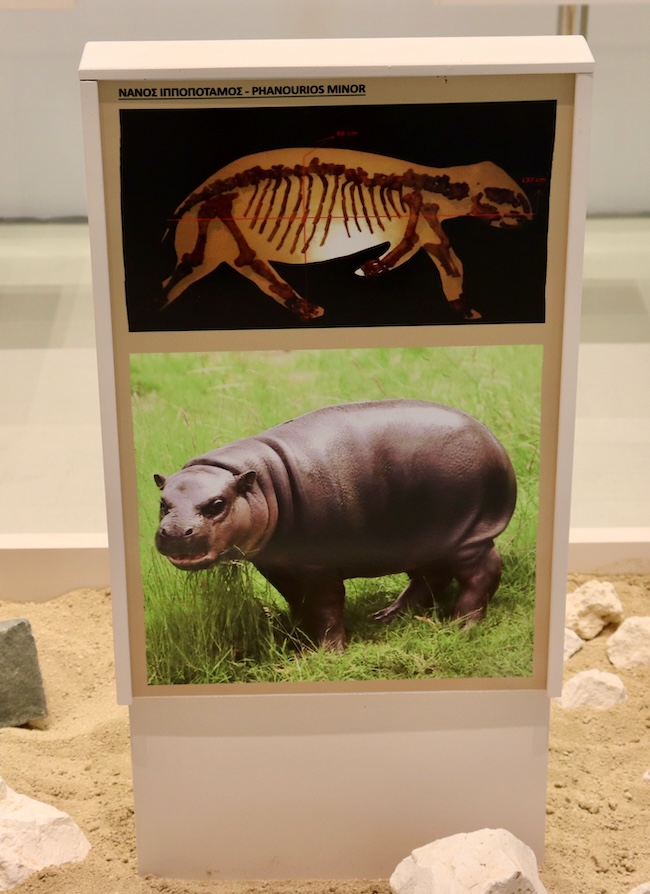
x,y
337,307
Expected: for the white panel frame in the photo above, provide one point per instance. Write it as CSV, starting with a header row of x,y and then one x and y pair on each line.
x,y
569,375
430,56
107,394
333,784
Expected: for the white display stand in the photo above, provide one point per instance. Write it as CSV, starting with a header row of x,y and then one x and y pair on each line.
x,y
339,782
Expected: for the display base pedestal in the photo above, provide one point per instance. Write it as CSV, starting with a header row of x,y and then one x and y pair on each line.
x,y
331,786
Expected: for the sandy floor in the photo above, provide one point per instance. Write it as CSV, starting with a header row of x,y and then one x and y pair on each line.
x,y
598,830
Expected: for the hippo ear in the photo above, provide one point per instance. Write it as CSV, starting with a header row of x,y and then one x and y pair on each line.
x,y
160,480
245,481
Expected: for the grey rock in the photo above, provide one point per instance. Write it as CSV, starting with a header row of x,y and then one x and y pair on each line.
x,y
22,698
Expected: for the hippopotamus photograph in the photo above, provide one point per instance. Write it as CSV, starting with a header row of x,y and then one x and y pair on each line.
x,y
352,490
376,528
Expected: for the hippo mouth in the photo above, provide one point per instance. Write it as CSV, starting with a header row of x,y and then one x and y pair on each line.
x,y
199,561
193,563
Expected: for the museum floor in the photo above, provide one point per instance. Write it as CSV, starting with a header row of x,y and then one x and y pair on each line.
x,y
50,446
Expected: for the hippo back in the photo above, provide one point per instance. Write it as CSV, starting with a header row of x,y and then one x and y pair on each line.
x,y
377,487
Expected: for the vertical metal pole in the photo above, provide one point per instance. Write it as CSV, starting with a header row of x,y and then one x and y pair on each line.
x,y
573,19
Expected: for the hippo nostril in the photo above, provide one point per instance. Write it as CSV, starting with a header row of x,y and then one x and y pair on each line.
x,y
189,532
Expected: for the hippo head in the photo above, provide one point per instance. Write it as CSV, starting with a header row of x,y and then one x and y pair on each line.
x,y
208,513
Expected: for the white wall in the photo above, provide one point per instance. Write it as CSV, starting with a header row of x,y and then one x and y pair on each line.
x,y
619,181
40,131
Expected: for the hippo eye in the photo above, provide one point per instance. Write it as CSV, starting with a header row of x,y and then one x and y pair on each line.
x,y
214,508
164,508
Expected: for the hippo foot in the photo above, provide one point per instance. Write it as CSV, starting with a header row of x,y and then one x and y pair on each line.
x,y
470,619
303,309
332,640
463,311
388,614
334,643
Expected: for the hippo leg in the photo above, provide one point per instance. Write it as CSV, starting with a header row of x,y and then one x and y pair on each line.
x,y
477,585
421,593
316,601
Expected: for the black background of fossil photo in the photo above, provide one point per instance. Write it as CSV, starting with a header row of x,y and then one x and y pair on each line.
x,y
167,153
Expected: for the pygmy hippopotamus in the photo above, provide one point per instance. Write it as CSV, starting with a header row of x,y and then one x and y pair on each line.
x,y
354,490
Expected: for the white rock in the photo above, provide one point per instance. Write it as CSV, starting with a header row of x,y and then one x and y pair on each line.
x,y
641,889
646,776
490,861
629,646
592,607
592,689
572,643
34,835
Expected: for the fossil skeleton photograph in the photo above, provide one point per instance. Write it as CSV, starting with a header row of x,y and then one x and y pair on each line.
x,y
289,205
276,217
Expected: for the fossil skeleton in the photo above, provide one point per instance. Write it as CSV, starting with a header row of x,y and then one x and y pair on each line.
x,y
290,206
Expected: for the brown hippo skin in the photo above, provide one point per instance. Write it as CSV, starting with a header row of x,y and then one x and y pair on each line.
x,y
354,490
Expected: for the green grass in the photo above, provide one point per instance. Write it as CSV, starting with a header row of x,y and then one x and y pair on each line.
x,y
227,624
